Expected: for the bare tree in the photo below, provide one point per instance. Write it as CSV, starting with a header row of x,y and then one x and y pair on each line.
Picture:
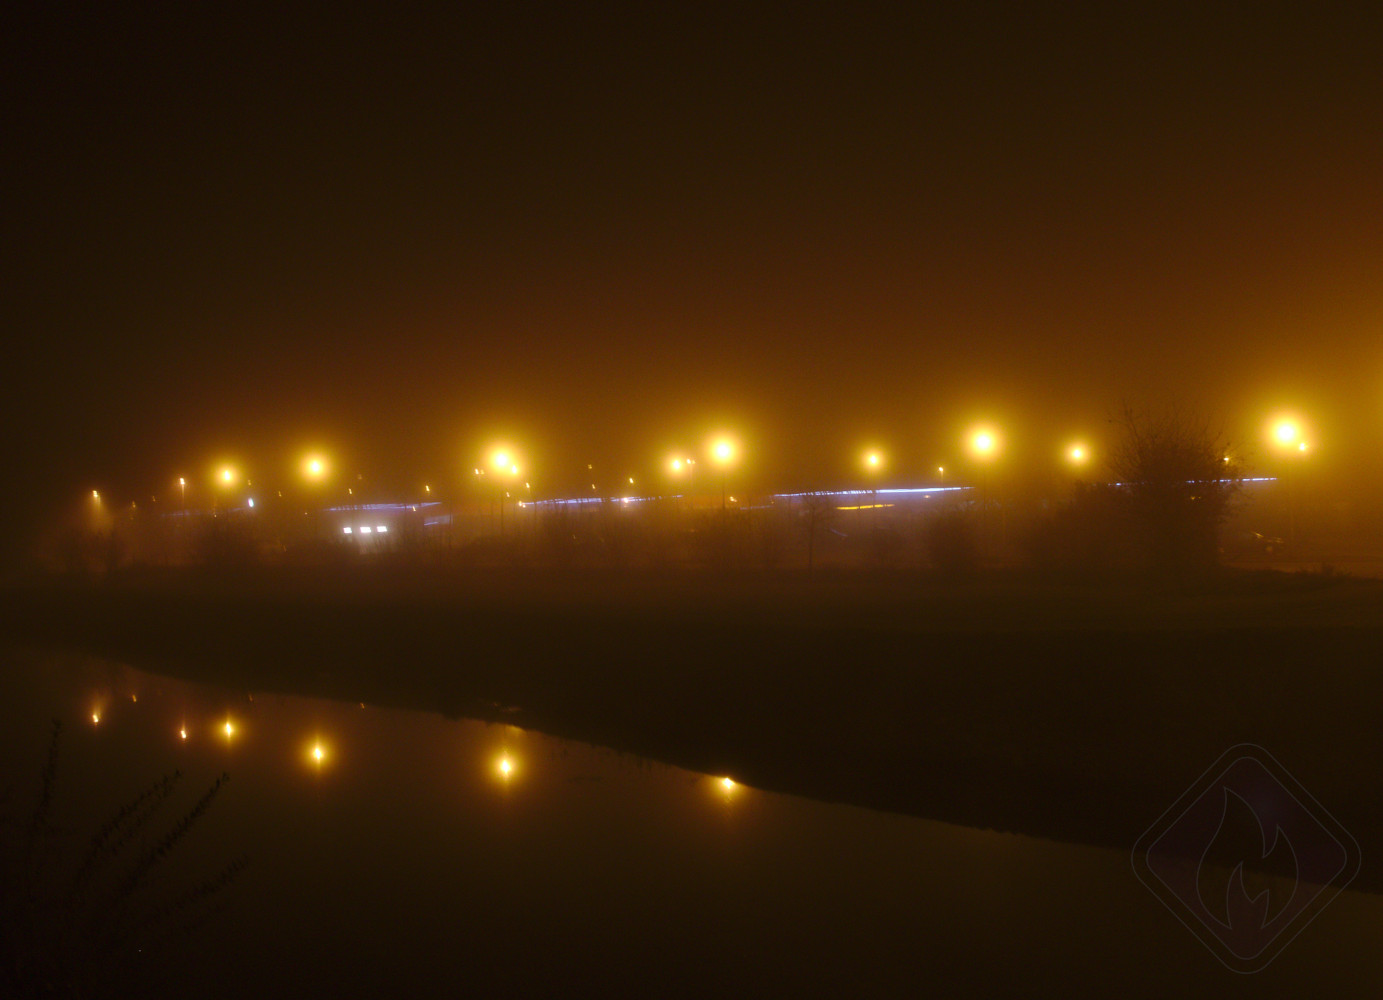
x,y
1172,471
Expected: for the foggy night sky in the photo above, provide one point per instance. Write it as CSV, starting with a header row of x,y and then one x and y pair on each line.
x,y
606,231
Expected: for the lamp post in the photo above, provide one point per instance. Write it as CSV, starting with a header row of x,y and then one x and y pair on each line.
x,y
314,471
723,451
504,466
873,462
984,445
1286,434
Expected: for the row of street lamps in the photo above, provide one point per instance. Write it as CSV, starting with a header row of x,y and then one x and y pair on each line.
x,y
503,466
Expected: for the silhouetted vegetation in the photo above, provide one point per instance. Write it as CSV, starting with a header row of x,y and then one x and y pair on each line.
x,y
92,924
1173,470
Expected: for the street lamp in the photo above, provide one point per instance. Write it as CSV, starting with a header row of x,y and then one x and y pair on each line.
x,y
503,464
724,452
1287,435
984,445
873,462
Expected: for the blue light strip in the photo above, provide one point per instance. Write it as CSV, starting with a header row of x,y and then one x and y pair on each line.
x,y
395,508
898,490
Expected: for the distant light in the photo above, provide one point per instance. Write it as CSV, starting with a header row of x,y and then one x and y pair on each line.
x,y
182,733
941,470
252,501
318,752
345,531
182,481
727,783
382,529
228,729
1302,446
505,766
95,718
427,489
1077,454
314,467
723,451
365,530
227,475
983,442
96,494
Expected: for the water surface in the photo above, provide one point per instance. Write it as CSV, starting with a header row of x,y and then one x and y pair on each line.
x,y
418,853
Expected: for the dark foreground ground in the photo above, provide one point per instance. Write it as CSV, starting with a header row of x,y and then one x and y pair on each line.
x,y
1075,712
